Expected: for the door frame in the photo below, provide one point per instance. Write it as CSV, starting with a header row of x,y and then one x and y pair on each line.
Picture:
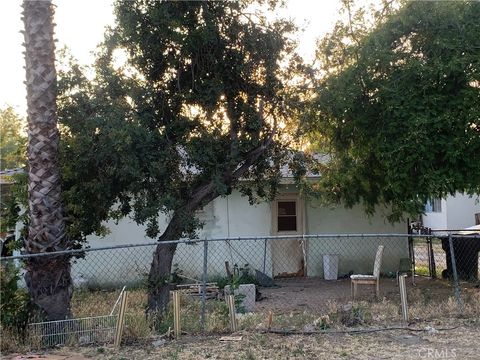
x,y
301,225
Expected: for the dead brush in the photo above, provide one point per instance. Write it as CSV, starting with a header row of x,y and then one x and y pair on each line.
x,y
11,341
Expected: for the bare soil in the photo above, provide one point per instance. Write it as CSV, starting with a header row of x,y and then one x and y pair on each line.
x,y
299,294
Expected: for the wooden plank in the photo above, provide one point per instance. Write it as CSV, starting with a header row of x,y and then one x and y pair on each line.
x,y
176,314
121,321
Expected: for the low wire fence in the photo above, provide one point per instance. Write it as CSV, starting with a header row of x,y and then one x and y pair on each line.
x,y
301,282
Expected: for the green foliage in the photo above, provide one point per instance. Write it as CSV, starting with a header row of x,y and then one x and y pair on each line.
x,y
195,106
12,140
8,214
241,275
16,309
12,156
399,106
13,198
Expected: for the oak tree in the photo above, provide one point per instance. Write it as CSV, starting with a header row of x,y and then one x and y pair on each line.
x,y
191,99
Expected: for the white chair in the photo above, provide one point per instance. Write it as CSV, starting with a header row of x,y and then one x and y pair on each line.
x,y
369,279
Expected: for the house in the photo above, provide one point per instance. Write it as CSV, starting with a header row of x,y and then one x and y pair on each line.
x,y
452,213
290,215
233,217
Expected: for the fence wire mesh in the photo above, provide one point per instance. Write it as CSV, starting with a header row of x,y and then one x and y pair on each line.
x,y
299,281
84,331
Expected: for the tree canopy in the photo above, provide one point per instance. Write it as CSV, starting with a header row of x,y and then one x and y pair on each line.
x,y
190,100
399,106
198,100
12,139
13,155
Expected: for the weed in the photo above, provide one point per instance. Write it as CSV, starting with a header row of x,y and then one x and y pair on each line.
x,y
259,339
248,355
16,308
298,351
173,354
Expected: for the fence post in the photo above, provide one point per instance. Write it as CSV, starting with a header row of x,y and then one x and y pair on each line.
x,y
431,259
456,285
120,321
204,283
230,299
403,297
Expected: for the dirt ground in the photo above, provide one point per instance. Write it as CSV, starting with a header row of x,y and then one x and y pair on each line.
x,y
459,343
299,294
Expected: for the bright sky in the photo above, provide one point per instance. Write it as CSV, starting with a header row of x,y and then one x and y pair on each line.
x,y
80,26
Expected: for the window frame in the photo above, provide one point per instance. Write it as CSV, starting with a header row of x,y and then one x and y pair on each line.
x,y
289,197
433,205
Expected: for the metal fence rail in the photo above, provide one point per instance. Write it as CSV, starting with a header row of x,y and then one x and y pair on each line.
x,y
285,275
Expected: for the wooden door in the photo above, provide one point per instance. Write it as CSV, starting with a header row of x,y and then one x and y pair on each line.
x,y
289,255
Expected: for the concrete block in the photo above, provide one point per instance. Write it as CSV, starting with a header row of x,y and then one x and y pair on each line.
x,y
248,292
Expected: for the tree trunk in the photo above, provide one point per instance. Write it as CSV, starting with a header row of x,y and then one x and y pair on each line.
x,y
160,269
48,278
50,285
159,278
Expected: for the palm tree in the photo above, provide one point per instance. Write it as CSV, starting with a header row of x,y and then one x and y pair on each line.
x,y
48,278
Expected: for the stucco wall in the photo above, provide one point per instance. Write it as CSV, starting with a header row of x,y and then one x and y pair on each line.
x,y
355,254
460,211
234,217
436,220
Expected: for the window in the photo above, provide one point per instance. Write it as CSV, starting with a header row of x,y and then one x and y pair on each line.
x,y
433,205
286,216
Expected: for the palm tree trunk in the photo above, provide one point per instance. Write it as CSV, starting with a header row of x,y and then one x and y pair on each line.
x,y
48,278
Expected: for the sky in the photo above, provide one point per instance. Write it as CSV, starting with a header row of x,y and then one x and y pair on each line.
x,y
80,26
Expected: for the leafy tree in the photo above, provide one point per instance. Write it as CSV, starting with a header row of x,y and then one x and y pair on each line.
x,y
399,105
201,102
12,156
12,141
48,278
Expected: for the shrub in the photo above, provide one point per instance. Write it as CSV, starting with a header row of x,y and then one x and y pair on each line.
x,y
16,308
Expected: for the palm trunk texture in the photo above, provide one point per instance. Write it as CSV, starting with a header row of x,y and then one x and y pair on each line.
x,y
48,278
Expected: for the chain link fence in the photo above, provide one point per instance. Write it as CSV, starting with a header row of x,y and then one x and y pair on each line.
x,y
301,282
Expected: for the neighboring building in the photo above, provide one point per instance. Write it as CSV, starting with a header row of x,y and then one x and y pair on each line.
x,y
452,213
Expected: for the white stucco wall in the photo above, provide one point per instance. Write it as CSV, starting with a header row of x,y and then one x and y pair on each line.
x,y
436,220
461,211
458,212
234,217
355,254
225,217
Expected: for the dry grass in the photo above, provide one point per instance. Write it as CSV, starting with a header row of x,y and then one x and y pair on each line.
x,y
460,343
10,341
425,304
